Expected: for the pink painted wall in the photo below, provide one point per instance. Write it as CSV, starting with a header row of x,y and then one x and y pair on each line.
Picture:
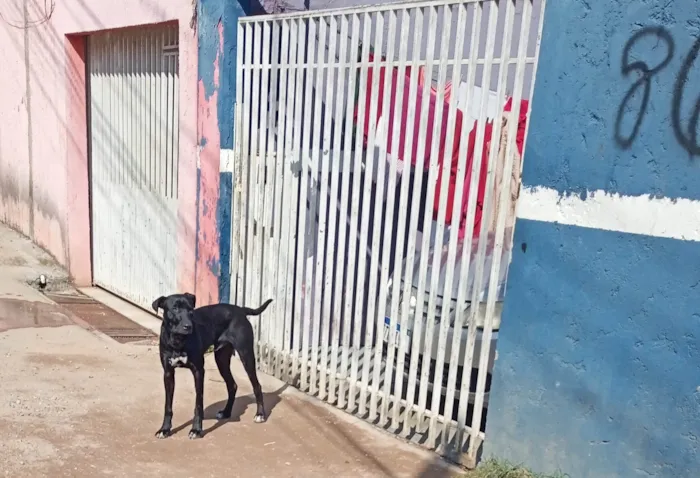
x,y
43,131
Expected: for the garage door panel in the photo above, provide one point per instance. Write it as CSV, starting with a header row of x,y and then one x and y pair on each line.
x,y
134,160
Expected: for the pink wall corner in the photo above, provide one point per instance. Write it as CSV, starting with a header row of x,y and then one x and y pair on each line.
x,y
44,183
78,202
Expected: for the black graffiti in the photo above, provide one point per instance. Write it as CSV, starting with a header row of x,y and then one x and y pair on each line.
x,y
686,137
644,80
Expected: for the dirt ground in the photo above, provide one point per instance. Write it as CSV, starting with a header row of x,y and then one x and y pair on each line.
x,y
75,403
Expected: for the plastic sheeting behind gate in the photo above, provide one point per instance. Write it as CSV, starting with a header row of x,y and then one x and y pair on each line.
x,y
378,156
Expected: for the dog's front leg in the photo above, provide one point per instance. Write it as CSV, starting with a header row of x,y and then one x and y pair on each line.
x,y
169,382
196,431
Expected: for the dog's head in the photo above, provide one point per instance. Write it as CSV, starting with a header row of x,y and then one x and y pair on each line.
x,y
178,310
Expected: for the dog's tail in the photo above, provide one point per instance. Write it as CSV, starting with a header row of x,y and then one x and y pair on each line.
x,y
257,311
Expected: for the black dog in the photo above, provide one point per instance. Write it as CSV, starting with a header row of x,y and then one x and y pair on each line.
x,y
187,333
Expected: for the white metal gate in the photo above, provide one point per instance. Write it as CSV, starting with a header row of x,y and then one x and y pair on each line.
x,y
134,131
382,233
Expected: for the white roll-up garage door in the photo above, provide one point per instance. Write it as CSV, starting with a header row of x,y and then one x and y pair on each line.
x,y
133,120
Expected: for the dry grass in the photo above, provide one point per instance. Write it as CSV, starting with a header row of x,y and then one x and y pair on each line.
x,y
502,469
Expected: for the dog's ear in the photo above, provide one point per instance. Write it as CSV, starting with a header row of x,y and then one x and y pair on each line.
x,y
158,303
192,299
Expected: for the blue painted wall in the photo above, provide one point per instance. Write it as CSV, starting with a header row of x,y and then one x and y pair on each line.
x,y
598,372
217,26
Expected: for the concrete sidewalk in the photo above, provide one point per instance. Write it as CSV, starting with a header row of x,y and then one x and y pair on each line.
x,y
75,403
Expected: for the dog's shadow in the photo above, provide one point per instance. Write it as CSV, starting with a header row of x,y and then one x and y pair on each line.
x,y
239,408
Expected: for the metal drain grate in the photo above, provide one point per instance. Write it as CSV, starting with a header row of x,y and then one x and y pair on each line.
x,y
106,320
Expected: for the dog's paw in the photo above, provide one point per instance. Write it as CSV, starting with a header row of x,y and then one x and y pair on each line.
x,y
163,434
194,434
223,415
260,418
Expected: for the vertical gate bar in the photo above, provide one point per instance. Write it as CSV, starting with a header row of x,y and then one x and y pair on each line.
x,y
336,242
176,118
248,171
387,254
477,163
369,168
302,305
143,138
152,101
123,266
322,265
454,229
315,178
297,238
342,277
135,243
238,224
466,246
168,113
404,266
503,200
288,199
484,234
171,115
268,166
96,87
354,249
280,193
376,266
421,166
538,41
162,118
270,112
427,226
256,184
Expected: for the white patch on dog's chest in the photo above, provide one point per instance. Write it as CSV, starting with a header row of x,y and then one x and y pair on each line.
x,y
180,361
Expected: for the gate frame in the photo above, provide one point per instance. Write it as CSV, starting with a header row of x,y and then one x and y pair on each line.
x,y
279,352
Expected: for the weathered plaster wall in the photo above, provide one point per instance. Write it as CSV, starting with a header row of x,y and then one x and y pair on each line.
x,y
599,355
43,130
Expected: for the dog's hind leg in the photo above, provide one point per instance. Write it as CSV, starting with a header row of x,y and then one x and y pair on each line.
x,y
222,354
248,358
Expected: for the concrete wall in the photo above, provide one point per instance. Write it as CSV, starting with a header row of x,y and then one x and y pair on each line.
x,y
599,355
43,129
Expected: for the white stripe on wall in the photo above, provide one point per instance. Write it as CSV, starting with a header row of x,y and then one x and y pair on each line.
x,y
226,157
650,216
